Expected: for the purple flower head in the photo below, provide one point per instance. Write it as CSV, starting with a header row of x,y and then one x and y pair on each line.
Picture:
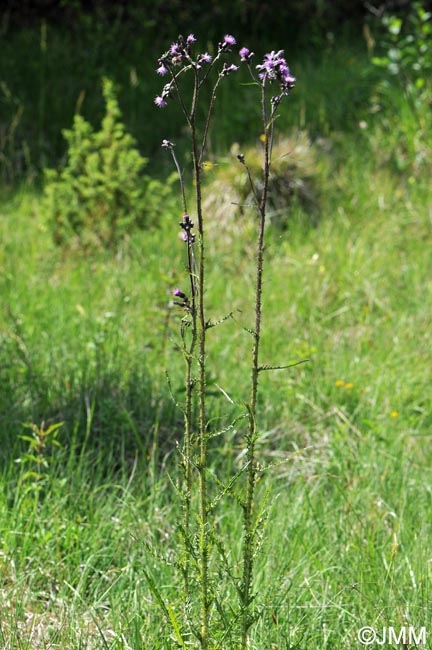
x,y
160,102
190,39
179,294
162,70
245,54
174,49
286,75
227,69
205,58
228,40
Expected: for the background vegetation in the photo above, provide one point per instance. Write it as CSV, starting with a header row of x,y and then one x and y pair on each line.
x,y
86,337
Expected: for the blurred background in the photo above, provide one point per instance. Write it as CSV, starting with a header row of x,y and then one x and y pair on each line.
x,y
55,52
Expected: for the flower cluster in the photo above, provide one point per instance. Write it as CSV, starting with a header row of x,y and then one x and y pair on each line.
x,y
179,53
186,225
275,68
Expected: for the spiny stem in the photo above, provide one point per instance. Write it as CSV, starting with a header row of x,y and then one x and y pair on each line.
x,y
248,506
188,461
188,352
202,464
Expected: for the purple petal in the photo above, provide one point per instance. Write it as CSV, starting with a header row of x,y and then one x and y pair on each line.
x,y
160,102
229,39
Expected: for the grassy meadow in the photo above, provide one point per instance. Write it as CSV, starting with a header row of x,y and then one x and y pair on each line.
x,y
90,341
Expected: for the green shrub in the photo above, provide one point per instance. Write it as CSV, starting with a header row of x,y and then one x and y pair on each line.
x,y
101,194
406,53
403,90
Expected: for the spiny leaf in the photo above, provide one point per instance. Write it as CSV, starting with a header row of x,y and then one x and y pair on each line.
x,y
176,626
265,468
210,324
290,365
227,488
156,593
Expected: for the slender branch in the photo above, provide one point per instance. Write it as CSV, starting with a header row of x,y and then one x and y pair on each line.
x,y
180,175
252,186
182,104
207,124
209,69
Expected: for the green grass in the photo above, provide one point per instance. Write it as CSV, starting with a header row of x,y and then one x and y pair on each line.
x,y
347,536
86,341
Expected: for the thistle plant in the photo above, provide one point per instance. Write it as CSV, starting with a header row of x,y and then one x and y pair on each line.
x,y
198,529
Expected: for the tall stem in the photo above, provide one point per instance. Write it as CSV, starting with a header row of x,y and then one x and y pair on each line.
x,y
248,506
188,459
188,424
202,464
188,352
